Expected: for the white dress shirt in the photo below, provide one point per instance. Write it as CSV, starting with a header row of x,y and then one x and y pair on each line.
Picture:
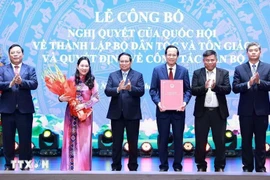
x,y
211,97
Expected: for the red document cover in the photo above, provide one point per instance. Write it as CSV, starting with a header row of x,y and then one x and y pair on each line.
x,y
171,94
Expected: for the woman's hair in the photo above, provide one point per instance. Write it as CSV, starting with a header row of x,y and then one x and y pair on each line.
x,y
89,78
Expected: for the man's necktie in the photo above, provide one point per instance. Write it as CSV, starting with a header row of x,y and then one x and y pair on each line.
x,y
170,74
124,76
253,69
16,70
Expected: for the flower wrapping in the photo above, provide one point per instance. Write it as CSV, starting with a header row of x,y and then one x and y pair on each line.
x,y
58,84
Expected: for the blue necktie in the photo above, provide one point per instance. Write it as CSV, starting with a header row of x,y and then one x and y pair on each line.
x,y
124,76
253,69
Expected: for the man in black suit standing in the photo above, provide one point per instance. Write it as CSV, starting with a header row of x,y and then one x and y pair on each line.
x,y
16,82
252,81
125,87
210,85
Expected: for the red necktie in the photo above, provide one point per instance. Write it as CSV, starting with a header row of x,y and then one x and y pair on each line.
x,y
170,74
16,70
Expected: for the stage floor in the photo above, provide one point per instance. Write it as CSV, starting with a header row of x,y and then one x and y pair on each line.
x,y
148,170
146,164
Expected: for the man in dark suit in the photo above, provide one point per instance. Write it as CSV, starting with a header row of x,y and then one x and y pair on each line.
x,y
16,82
125,87
252,81
210,85
166,118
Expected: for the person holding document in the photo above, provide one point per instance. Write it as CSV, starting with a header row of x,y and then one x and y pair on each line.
x,y
252,81
210,85
165,118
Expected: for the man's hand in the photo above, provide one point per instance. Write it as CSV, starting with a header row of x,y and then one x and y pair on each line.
x,y
183,107
257,78
121,85
18,79
161,109
208,84
213,84
252,80
128,86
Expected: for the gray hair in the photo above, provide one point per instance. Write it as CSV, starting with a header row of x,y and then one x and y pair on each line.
x,y
253,44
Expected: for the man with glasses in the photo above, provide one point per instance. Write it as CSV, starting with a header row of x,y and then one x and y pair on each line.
x,y
210,85
167,118
125,87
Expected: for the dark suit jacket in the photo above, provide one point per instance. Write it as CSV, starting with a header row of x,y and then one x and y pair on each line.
x,y
257,97
126,101
222,88
17,95
159,73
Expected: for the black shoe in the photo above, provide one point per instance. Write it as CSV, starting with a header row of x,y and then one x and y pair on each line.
x,y
7,168
261,170
25,169
201,170
177,170
219,170
246,170
163,170
115,169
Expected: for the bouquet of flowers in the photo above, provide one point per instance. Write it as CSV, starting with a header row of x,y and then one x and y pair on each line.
x,y
58,84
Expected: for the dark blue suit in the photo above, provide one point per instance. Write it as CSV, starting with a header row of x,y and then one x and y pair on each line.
x,y
17,110
164,119
125,112
253,111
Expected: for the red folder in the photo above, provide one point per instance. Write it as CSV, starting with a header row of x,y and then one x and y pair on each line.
x,y
171,94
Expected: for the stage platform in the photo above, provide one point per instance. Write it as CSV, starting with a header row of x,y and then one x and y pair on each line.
x,y
104,175
147,170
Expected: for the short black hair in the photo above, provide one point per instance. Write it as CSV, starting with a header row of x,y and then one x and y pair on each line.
x,y
209,53
171,46
127,54
14,45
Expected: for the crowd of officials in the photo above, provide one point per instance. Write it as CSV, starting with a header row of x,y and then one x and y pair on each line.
x,y
209,85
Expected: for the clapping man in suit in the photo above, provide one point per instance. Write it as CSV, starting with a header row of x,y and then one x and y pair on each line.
x,y
252,81
16,82
125,87
210,85
166,118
